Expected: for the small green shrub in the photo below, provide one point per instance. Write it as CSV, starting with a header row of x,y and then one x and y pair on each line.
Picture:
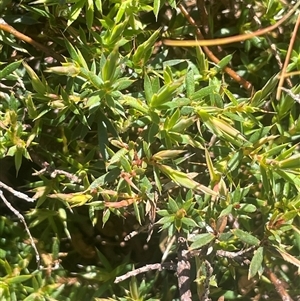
x,y
137,153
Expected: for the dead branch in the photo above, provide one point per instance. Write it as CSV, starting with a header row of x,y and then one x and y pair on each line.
x,y
146,268
16,193
22,219
183,269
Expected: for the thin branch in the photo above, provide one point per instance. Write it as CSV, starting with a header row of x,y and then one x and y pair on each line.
x,y
135,232
232,255
273,47
183,270
237,38
22,219
54,172
290,93
147,268
16,193
208,52
278,286
6,27
287,58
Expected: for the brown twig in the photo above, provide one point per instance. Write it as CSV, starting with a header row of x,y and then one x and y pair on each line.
x,y
237,38
288,56
7,28
278,286
273,48
208,52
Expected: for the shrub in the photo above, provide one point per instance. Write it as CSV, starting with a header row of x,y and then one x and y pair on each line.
x,y
142,170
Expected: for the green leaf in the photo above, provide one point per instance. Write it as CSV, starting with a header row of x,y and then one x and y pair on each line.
x,y
201,240
105,179
256,263
183,124
123,83
117,156
157,179
110,65
89,13
148,88
98,4
292,162
200,94
18,159
165,94
184,180
225,61
167,154
37,84
8,70
168,75
116,34
212,172
18,279
173,120
246,237
94,79
166,219
172,204
75,11
135,103
247,208
189,222
156,7
140,56
190,83
68,69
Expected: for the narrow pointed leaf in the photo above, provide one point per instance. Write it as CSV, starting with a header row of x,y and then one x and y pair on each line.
x,y
256,263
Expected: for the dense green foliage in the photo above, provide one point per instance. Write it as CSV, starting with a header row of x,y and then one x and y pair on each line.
x,y
111,131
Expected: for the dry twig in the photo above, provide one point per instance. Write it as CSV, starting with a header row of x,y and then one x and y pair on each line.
x,y
22,219
288,56
208,52
237,38
6,27
147,268
278,284
183,270
16,193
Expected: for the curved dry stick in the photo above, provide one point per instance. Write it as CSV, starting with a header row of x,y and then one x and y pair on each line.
x,y
6,27
211,56
228,40
288,55
22,219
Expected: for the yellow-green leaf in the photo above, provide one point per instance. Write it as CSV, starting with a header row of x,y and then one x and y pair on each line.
x,y
184,180
167,154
